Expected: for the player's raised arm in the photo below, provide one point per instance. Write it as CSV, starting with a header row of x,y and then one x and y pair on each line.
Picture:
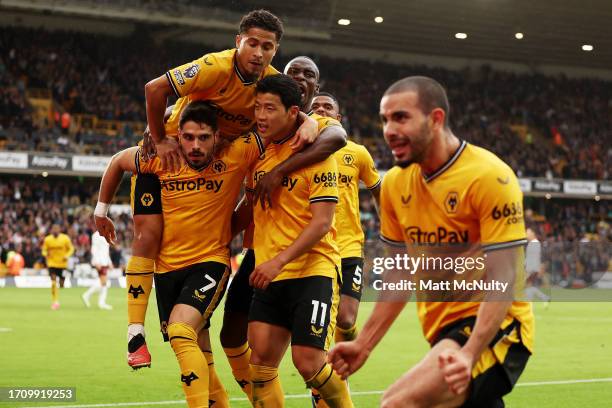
x,y
157,92
121,162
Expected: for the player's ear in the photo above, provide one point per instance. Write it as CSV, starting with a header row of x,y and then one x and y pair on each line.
x,y
339,118
437,117
238,38
294,111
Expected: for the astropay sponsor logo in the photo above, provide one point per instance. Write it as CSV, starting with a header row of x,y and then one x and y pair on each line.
x,y
94,164
49,162
11,160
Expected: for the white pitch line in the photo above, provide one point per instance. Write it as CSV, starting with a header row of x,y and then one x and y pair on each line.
x,y
5,329
592,380
298,396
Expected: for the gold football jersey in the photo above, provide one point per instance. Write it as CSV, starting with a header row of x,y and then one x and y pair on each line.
x,y
278,226
354,164
216,78
473,198
198,204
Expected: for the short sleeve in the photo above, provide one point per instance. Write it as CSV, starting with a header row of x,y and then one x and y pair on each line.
x,y
323,181
367,169
195,76
498,202
390,228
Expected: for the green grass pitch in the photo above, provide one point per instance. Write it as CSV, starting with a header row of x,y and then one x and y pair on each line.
x,y
85,348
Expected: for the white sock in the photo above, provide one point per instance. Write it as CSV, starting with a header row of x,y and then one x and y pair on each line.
x,y
135,329
103,293
92,289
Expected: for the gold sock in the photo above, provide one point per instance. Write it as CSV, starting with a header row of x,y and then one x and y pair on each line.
x,y
238,358
346,335
217,396
333,390
194,368
267,389
54,292
139,281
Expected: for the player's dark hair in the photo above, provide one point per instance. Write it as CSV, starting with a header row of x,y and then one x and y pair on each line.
x,y
282,85
262,19
202,112
431,94
329,96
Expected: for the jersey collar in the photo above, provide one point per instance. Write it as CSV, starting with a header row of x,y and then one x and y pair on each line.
x,y
446,165
237,71
284,139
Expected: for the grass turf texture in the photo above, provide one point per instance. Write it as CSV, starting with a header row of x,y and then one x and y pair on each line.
x,y
85,348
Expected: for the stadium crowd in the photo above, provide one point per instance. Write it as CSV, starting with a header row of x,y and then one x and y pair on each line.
x,y
562,133
542,126
29,208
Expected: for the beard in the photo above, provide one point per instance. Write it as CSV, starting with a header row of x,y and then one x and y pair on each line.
x,y
421,144
202,160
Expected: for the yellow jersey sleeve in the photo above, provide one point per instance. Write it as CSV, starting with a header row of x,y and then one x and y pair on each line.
x,y
68,245
498,201
197,75
367,169
323,181
324,122
390,229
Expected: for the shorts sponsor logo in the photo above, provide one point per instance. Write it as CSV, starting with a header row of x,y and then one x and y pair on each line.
x,y
315,331
198,296
146,199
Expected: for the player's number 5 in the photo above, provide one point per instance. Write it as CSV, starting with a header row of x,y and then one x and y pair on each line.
x,y
357,276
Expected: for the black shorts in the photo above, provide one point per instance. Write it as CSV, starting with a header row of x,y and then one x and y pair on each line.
x,y
59,272
495,376
240,293
145,194
352,277
201,286
307,307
